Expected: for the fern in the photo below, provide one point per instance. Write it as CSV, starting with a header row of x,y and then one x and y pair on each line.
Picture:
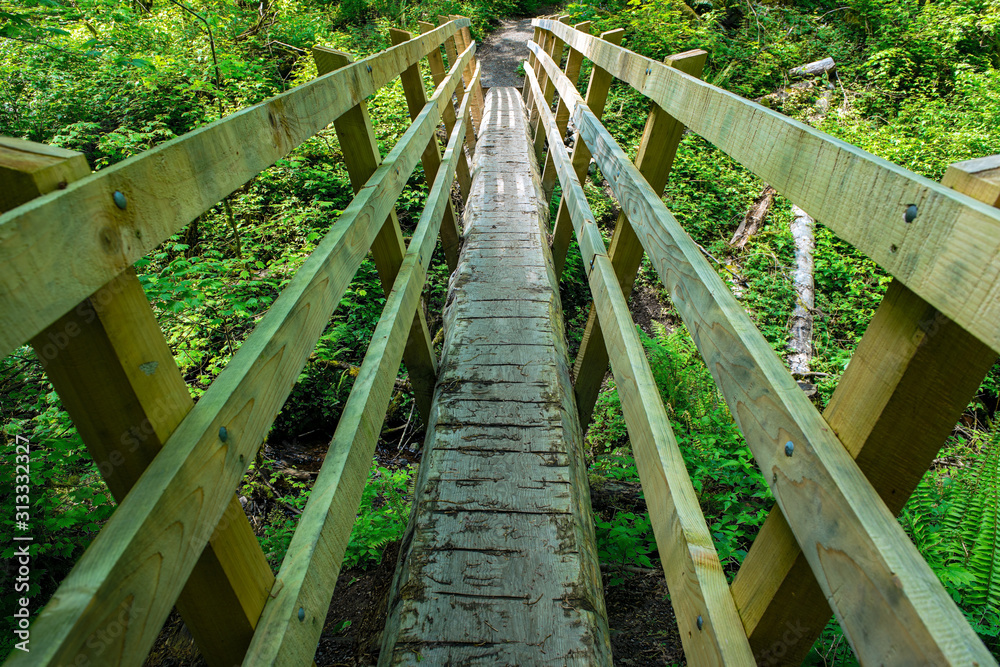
x,y
979,528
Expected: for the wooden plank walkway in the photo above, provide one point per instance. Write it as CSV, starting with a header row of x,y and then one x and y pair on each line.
x,y
498,565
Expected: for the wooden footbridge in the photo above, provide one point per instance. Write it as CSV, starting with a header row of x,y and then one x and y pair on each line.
x,y
498,565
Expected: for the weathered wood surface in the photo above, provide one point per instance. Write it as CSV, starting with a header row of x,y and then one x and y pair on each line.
x,y
909,380
888,601
946,255
59,249
498,563
709,624
145,553
118,381
310,568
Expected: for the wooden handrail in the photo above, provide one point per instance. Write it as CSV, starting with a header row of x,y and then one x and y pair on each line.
x,y
946,255
141,559
59,249
312,563
709,624
869,570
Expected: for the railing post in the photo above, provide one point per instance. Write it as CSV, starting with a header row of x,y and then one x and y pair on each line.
x,y
416,98
362,158
654,160
452,50
438,72
464,38
573,62
117,379
911,376
597,97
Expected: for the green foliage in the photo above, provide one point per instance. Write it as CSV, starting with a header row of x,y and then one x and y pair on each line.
x,y
953,518
385,509
627,539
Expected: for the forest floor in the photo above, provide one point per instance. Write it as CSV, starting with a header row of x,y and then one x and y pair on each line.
x,y
501,52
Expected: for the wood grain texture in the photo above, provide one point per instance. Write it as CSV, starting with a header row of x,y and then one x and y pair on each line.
x,y
888,601
361,157
48,268
597,97
29,170
147,550
498,563
910,378
436,64
416,97
947,255
697,584
654,159
118,381
309,571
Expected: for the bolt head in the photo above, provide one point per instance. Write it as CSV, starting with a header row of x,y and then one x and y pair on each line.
x,y
789,448
223,434
302,614
910,214
120,200
701,622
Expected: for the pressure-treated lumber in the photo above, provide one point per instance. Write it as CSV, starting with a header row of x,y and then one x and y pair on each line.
x,y
655,157
706,615
597,97
911,376
361,157
59,249
498,564
573,62
945,255
29,170
146,551
416,98
888,601
472,86
451,49
979,178
118,381
436,64
311,566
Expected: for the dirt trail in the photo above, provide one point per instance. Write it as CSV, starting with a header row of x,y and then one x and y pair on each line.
x,y
502,50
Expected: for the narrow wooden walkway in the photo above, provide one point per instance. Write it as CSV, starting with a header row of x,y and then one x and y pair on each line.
x,y
498,565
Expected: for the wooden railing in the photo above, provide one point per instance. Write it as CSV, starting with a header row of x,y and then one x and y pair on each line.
x,y
838,477
179,534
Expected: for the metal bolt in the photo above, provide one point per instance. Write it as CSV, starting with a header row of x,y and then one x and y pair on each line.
x,y
774,478
302,614
789,448
700,622
119,200
223,434
369,69
911,213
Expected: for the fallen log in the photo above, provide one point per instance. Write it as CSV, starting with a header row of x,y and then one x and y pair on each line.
x,y
812,69
800,334
754,218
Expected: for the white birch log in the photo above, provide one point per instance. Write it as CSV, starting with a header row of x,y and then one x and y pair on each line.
x,y
800,339
812,69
